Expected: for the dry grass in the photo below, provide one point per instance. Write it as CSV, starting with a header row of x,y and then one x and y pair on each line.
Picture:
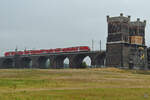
x,y
74,84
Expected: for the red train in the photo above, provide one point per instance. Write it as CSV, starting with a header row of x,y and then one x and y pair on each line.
x,y
57,50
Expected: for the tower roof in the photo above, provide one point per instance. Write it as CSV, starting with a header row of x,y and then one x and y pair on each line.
x,y
120,18
138,23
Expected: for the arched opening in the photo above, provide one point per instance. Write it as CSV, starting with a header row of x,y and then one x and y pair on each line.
x,y
26,62
61,61
8,63
48,63
80,61
86,62
66,62
44,62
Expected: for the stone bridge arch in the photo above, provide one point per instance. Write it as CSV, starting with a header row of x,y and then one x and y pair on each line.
x,y
25,62
42,62
66,62
88,61
76,60
58,61
8,63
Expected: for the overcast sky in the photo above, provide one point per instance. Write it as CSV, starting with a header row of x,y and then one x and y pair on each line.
x,y
43,24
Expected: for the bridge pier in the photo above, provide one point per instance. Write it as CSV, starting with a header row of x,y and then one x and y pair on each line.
x,y
7,63
42,62
98,60
34,62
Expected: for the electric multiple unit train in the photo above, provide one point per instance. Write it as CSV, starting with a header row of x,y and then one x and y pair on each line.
x,y
46,51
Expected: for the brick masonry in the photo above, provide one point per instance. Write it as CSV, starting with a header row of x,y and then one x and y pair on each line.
x,y
121,50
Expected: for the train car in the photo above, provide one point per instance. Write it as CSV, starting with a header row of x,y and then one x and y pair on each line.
x,y
84,48
12,53
19,53
51,51
7,53
43,51
27,52
34,52
57,50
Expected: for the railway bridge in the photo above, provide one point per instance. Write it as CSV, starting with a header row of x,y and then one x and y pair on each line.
x,y
56,60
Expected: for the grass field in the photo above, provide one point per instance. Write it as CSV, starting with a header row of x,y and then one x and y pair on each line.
x,y
74,84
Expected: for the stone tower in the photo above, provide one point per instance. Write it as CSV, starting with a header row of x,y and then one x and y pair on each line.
x,y
137,32
126,43
118,29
